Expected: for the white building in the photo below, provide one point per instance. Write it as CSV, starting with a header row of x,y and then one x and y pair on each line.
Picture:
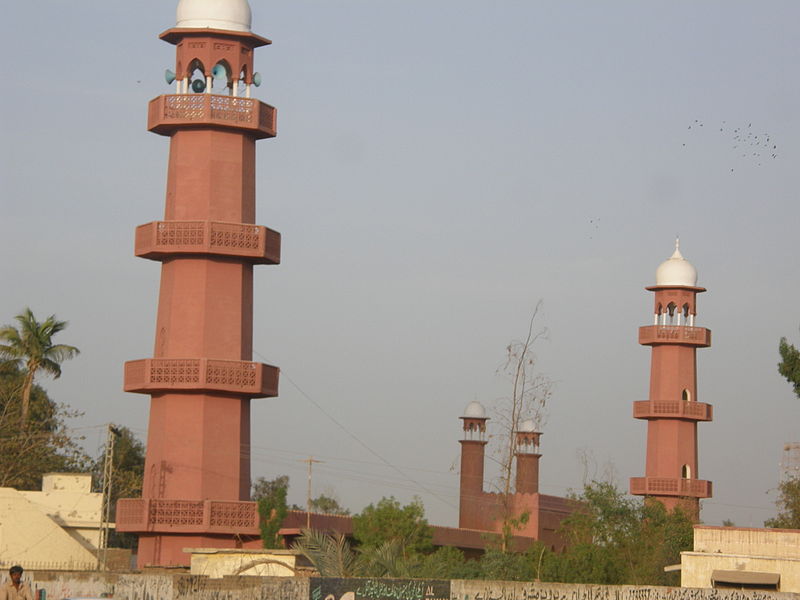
x,y
57,528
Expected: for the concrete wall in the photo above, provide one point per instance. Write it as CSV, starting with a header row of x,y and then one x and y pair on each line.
x,y
190,587
782,543
217,563
510,590
697,567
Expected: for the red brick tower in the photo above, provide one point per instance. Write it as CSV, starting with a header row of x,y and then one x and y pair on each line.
x,y
486,511
472,509
527,457
672,412
197,474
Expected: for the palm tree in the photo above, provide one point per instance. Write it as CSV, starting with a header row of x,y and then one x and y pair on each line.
x,y
30,346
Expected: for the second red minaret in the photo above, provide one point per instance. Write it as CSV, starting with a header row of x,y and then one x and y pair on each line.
x,y
672,411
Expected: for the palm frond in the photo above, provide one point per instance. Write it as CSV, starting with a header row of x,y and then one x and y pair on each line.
x,y
330,554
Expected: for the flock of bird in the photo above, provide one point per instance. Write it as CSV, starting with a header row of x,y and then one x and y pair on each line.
x,y
744,139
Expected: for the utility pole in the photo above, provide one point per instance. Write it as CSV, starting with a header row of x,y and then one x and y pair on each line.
x,y
310,460
105,509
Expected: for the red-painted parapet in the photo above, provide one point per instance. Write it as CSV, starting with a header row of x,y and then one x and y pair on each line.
x,y
673,409
187,516
169,112
251,379
670,486
652,335
161,239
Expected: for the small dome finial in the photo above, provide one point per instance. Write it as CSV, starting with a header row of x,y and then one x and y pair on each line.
x,y
677,253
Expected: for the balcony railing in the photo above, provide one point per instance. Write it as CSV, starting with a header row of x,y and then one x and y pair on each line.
x,y
168,112
160,239
674,334
187,516
672,409
670,486
252,379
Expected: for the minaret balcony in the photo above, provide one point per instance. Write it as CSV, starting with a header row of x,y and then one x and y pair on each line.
x,y
251,379
170,112
653,335
670,486
187,516
162,239
673,409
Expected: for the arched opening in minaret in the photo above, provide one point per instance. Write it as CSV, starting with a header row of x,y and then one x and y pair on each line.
x,y
221,77
196,77
688,317
686,472
686,396
672,313
241,81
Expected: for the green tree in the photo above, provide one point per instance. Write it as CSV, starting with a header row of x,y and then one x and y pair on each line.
x,y
45,445
328,505
389,521
270,495
788,504
30,346
615,539
789,366
126,478
448,563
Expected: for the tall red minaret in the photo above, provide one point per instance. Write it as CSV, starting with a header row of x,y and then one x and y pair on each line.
x,y
196,488
672,412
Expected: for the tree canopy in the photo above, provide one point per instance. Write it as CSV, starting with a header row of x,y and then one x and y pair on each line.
x,y
270,495
388,521
128,472
788,504
30,348
44,445
328,505
789,366
615,539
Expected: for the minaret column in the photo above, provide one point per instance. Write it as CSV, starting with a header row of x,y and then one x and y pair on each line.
x,y
201,378
672,411
527,456
473,448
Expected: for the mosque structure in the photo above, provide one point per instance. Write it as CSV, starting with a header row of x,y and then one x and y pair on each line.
x,y
487,511
672,411
201,377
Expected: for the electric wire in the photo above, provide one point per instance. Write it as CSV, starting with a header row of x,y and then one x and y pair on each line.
x,y
359,441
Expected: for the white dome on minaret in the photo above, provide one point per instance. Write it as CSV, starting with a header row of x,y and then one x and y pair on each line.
x,y
528,426
474,410
676,270
233,15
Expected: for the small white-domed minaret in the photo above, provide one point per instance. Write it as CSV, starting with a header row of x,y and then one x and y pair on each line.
x,y
527,456
473,447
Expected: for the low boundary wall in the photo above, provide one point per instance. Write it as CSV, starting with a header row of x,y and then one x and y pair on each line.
x,y
145,586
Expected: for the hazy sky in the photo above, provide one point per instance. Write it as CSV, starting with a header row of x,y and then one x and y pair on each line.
x,y
440,167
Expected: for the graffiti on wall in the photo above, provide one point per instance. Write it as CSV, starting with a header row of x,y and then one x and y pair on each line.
x,y
496,590
377,589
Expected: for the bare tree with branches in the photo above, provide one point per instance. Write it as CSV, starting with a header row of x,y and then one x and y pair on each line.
x,y
530,393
